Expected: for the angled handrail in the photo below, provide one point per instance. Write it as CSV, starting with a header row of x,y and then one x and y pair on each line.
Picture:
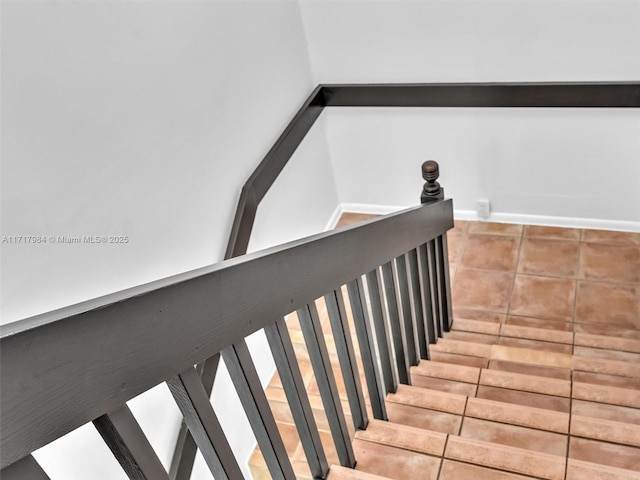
x,y
472,95
66,368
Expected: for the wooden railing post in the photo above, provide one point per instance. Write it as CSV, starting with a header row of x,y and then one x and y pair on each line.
x,y
438,253
432,191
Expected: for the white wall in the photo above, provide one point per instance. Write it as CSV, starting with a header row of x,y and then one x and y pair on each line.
x,y
283,214
472,40
143,119
551,166
567,167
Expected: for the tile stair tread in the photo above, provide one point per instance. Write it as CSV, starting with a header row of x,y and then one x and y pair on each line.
x,y
581,470
462,347
607,342
601,429
606,330
605,430
452,470
482,453
403,436
535,333
607,366
606,394
496,378
396,463
475,326
336,472
600,342
526,383
611,366
429,399
503,457
521,415
447,371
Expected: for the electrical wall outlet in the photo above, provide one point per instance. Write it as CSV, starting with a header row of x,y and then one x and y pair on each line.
x,y
483,208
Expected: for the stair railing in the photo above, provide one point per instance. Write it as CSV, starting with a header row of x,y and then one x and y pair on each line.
x,y
493,95
65,368
83,363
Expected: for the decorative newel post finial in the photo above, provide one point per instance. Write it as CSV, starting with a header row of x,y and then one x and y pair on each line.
x,y
431,191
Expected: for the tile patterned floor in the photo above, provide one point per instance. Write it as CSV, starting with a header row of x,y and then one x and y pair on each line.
x,y
539,378
547,274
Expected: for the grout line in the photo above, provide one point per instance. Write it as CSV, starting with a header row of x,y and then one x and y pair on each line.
x,y
464,414
566,469
575,296
513,284
442,457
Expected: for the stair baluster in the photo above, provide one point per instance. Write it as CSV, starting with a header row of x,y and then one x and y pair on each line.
x,y
346,357
366,339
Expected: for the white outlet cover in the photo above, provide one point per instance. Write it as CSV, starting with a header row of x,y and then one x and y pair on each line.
x,y
483,208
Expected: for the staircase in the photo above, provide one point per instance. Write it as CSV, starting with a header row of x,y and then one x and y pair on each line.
x,y
547,389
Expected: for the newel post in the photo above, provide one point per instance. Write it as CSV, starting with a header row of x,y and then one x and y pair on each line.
x,y
437,258
432,190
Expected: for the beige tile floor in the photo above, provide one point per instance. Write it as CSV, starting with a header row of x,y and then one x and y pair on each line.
x,y
559,278
539,378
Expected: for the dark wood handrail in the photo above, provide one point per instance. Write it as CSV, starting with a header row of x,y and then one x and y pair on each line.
x,y
268,170
481,95
63,369
472,95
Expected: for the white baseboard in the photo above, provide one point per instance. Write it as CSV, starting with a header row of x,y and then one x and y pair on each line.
x,y
543,220
333,219
549,221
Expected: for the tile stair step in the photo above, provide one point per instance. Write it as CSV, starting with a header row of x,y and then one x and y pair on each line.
x,y
605,430
607,342
405,437
610,367
503,457
448,371
519,415
336,472
581,470
395,463
534,333
475,326
587,388
464,357
606,394
507,458
582,424
429,399
452,470
461,347
526,383
489,454
477,362
607,331
495,378
587,359
516,367
604,338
